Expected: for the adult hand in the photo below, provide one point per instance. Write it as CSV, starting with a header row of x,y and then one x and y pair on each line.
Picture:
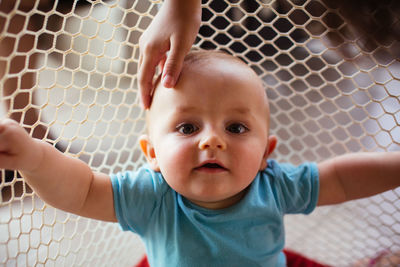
x,y
174,29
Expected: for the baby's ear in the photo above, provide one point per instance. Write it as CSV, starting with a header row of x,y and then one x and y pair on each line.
x,y
272,141
148,150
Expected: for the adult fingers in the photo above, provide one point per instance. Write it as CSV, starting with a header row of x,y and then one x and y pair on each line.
x,y
147,69
161,64
140,60
173,65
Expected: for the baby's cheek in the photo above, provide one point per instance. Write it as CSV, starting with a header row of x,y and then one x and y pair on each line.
x,y
182,155
176,164
174,155
250,158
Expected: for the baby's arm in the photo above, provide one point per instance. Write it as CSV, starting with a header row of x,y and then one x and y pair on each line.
x,y
64,182
174,29
358,175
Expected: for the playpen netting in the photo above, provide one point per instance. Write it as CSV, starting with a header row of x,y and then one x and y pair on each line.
x,y
328,96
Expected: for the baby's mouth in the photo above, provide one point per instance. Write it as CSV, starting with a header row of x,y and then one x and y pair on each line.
x,y
211,167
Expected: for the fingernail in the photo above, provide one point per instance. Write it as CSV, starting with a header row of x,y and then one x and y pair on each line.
x,y
144,105
168,81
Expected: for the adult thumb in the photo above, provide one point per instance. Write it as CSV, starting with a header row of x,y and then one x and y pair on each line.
x,y
172,67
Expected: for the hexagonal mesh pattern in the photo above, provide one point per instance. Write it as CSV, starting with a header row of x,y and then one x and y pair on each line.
x,y
68,74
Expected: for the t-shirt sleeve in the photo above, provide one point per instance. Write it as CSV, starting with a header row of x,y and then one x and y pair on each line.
x,y
296,187
136,196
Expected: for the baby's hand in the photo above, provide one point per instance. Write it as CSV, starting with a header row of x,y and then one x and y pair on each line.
x,y
18,151
174,29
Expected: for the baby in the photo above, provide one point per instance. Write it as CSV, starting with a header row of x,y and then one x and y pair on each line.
x,y
209,196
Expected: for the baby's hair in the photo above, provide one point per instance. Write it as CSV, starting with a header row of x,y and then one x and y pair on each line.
x,y
197,56
202,55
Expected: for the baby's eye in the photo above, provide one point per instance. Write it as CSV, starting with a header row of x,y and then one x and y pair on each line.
x,y
187,128
237,128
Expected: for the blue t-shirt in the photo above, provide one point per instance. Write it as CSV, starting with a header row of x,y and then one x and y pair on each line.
x,y
177,232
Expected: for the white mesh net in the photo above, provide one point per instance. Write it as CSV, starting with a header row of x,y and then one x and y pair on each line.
x,y
68,74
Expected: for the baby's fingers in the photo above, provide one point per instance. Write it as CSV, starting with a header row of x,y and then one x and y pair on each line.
x,y
5,135
6,158
12,136
8,162
18,151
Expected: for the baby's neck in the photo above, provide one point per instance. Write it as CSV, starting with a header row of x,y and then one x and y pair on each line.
x,y
222,204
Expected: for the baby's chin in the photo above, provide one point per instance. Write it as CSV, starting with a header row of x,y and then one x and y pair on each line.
x,y
217,203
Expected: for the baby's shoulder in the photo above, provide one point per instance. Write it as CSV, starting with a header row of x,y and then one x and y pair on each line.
x,y
144,179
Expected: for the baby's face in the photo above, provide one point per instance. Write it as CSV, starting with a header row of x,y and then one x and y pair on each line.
x,y
209,135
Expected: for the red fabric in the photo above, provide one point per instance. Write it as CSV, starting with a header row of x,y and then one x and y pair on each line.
x,y
293,260
143,262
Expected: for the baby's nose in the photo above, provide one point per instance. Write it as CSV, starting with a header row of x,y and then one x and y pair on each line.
x,y
212,141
